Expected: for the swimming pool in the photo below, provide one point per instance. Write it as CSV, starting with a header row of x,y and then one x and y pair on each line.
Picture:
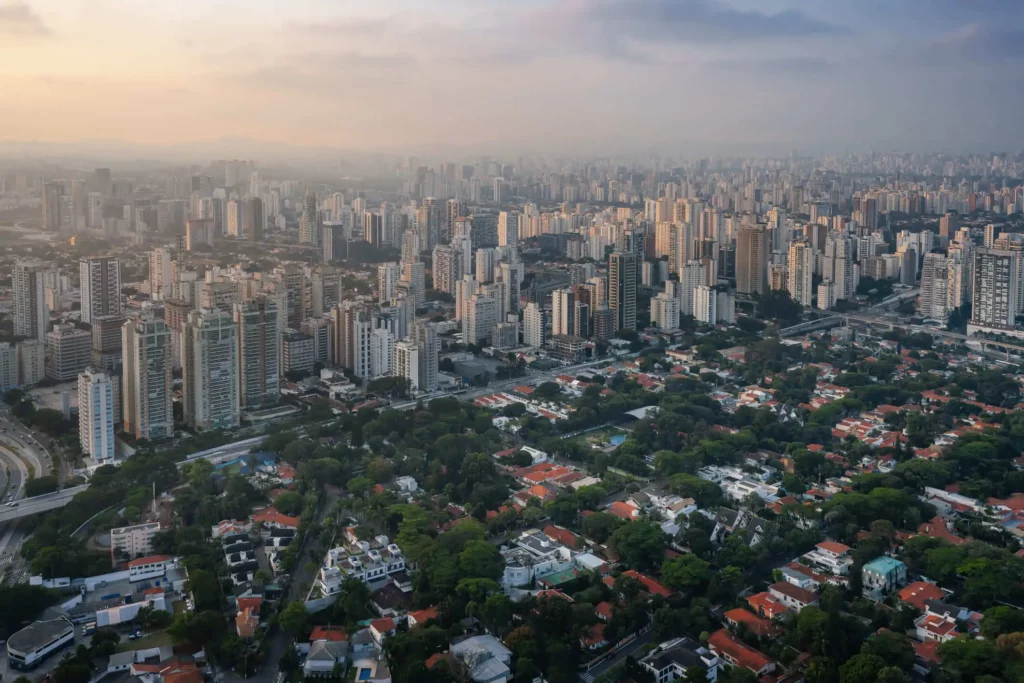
x,y
617,439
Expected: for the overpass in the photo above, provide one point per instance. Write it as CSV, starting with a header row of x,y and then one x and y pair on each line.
x,y
984,343
38,504
228,450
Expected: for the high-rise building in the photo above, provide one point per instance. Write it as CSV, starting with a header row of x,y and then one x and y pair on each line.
x,y
360,344
334,245
96,415
506,335
481,317
622,286
147,402
296,353
665,310
534,329
253,219
512,275
233,219
414,275
447,268
752,260
106,342
373,228
405,363
292,278
948,225
508,229
990,236
382,343
31,316
8,366
800,272
563,312
387,281
319,328
160,282
53,206
327,291
100,280
68,352
934,299
705,302
309,221
425,337
428,223
691,276
210,370
604,323
996,274
259,366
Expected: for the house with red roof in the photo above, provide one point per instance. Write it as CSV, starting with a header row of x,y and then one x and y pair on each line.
x,y
765,605
594,638
380,629
421,617
603,610
763,628
932,627
334,634
563,536
793,597
650,585
918,593
937,527
737,653
626,510
271,518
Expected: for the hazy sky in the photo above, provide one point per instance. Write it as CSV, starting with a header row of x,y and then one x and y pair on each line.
x,y
567,75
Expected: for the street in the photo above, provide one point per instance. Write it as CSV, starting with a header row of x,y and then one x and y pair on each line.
x,y
634,647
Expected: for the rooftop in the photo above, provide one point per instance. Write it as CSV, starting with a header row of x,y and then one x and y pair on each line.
x,y
38,634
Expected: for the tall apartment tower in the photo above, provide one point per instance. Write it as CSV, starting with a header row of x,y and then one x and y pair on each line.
x,y
563,310
425,337
96,415
481,317
327,291
935,281
31,316
752,260
800,272
160,282
253,219
388,275
622,282
508,229
309,221
995,287
210,370
101,287
259,352
405,363
534,333
447,268
147,402
53,205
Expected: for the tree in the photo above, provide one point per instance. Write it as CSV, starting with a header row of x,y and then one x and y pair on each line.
x,y
547,390
294,619
686,572
289,503
480,559
205,589
1000,620
640,544
969,658
860,668
892,648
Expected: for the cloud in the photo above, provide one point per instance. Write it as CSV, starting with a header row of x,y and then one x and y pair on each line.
x,y
698,21
981,43
20,21
784,66
346,26
312,70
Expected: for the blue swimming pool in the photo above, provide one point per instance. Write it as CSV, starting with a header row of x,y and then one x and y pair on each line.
x,y
617,439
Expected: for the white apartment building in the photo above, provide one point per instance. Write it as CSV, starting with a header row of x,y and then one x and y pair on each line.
x,y
148,373
96,415
210,370
100,280
31,316
705,304
133,541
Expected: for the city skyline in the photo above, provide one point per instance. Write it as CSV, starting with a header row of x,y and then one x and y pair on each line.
x,y
604,76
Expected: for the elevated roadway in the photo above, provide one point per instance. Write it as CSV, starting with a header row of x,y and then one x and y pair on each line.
x,y
39,504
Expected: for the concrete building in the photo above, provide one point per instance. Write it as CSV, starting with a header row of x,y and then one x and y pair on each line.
x,y
327,291
106,342
800,272
8,366
160,282
210,370
563,305
995,289
705,305
147,403
405,363
68,352
96,415
506,335
296,353
446,268
259,352
425,337
131,542
665,311
534,331
31,362
100,280
622,285
752,260
382,343
387,281
31,316
482,316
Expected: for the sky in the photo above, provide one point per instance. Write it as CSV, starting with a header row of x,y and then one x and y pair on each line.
x,y
518,76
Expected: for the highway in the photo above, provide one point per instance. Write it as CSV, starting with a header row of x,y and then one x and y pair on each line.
x,y
38,504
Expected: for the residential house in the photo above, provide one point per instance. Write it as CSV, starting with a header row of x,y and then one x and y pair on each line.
x,y
671,660
485,658
830,557
763,628
918,593
735,652
883,575
794,598
534,556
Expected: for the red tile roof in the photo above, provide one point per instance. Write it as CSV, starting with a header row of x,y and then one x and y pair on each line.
x,y
801,595
919,592
335,634
604,610
152,559
270,515
385,625
766,605
424,615
759,626
936,528
833,547
563,536
652,586
929,651
736,652
623,510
